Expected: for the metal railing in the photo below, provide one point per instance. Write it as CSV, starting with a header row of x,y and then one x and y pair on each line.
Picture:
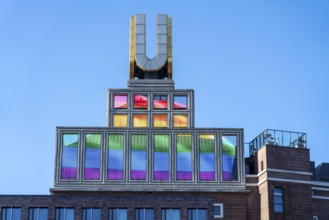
x,y
278,138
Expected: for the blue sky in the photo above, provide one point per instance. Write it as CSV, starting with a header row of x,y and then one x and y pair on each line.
x,y
252,64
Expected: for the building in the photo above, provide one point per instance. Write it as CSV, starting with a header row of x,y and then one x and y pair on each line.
x,y
150,162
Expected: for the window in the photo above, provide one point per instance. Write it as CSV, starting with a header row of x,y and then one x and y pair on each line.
x,y
261,165
160,102
180,121
278,199
115,161
184,157
160,121
144,214
118,214
140,101
11,214
91,214
120,121
138,157
121,101
92,156
315,217
218,210
38,213
170,214
197,214
64,214
161,157
140,121
207,157
69,156
180,102
229,158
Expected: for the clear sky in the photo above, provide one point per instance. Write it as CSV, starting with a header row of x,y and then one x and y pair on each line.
x,y
253,65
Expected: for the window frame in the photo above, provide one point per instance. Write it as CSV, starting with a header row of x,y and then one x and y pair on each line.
x,y
170,209
65,209
4,211
120,114
144,209
38,209
147,95
92,209
85,156
278,195
120,94
160,95
221,206
116,209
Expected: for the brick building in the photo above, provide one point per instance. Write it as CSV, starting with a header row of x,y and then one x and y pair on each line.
x,y
150,162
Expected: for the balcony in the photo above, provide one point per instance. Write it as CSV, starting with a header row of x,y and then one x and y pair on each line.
x,y
278,138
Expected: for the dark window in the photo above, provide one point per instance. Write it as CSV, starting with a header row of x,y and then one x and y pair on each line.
x,y
278,199
261,165
38,213
118,214
11,213
144,214
91,214
197,214
218,210
170,214
64,214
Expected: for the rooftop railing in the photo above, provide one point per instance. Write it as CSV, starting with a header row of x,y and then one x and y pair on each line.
x,y
278,138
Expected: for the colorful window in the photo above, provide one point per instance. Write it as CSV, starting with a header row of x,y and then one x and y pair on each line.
x,y
161,157
184,157
140,121
91,214
11,214
38,213
140,101
229,158
120,121
160,102
160,121
180,121
144,214
69,156
197,214
115,157
207,157
118,214
170,214
121,101
92,156
180,102
64,214
138,157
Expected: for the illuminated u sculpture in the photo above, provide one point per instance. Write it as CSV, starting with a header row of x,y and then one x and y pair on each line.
x,y
142,67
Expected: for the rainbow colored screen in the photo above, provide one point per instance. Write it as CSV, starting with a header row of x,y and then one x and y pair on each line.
x,y
160,102
180,102
92,156
138,157
229,158
140,101
161,157
207,157
69,156
160,121
180,121
184,157
140,121
120,101
115,157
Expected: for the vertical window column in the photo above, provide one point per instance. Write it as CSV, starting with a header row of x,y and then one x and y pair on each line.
x,y
115,163
144,214
229,158
138,157
64,214
91,214
118,214
207,157
69,166
278,199
11,214
92,156
184,162
161,157
38,213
